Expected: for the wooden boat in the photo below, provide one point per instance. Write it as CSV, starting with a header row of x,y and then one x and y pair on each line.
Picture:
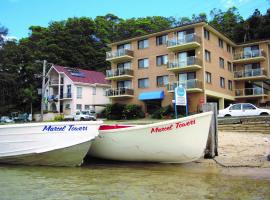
x,y
173,141
50,143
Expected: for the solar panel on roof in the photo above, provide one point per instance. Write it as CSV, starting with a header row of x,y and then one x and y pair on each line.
x,y
75,72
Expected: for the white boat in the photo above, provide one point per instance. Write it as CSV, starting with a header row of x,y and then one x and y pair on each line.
x,y
173,141
47,143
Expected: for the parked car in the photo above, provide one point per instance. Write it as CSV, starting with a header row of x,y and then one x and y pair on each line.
x,y
6,119
242,109
85,115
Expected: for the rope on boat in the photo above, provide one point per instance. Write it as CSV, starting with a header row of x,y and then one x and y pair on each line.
x,y
235,166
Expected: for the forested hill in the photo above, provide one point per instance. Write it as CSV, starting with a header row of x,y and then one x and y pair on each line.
x,y
82,42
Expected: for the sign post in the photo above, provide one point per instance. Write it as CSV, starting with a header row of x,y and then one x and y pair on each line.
x,y
180,99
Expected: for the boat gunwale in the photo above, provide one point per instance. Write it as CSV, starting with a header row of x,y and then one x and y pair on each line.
x,y
134,127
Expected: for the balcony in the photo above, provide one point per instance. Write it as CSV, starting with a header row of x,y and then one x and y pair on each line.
x,y
191,86
119,74
190,64
190,41
66,96
252,74
120,93
251,92
249,56
119,55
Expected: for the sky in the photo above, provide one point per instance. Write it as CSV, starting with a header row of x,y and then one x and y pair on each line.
x,y
19,15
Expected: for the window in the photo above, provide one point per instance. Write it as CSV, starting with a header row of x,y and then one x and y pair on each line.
x,y
221,62
79,92
207,56
230,85
233,50
220,43
235,107
229,66
208,76
161,40
79,106
247,106
86,107
124,84
251,51
94,91
222,82
143,83
162,60
143,63
162,81
206,34
142,44
228,48
125,65
104,91
124,46
67,106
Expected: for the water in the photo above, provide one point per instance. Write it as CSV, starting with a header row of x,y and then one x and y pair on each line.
x,y
126,181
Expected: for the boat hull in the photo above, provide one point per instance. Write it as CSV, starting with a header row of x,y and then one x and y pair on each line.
x,y
174,141
53,144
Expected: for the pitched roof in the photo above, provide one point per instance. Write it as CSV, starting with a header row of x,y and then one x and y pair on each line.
x,y
82,76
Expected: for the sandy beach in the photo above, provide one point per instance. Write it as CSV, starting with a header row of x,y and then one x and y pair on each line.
x,y
238,149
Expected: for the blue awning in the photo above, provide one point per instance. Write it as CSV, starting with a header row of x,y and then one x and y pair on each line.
x,y
151,95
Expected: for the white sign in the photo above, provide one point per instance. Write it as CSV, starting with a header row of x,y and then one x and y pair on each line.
x,y
180,96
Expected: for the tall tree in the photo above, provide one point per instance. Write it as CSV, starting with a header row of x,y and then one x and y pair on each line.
x,y
3,33
226,21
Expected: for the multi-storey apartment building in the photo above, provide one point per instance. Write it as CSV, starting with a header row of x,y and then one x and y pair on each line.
x,y
145,70
69,90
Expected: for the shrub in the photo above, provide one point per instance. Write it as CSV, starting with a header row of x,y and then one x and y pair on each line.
x,y
121,111
59,118
164,113
114,111
132,111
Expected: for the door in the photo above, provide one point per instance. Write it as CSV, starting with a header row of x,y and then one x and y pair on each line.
x,y
182,59
247,52
249,110
235,110
181,36
187,79
68,91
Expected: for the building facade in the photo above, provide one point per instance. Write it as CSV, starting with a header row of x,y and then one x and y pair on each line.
x,y
145,70
69,90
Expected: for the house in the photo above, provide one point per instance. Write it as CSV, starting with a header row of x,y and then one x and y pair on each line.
x,y
70,89
213,68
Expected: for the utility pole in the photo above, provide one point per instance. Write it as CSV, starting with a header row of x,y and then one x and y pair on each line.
x,y
43,89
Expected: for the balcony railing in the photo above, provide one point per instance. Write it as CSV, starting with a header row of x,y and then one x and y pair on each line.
x,y
189,85
250,92
180,64
66,96
249,54
118,92
119,53
189,38
249,73
55,82
119,72
52,98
